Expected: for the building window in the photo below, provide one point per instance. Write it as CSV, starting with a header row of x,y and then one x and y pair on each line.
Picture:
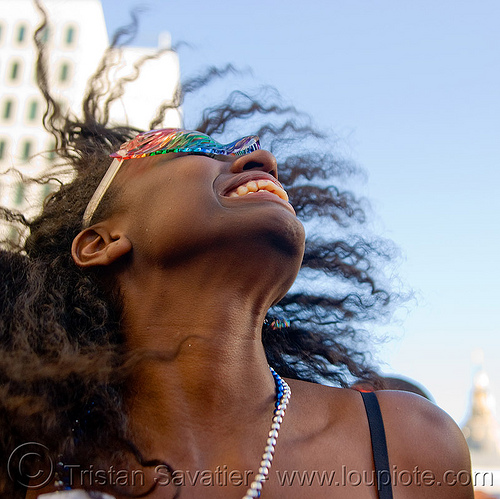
x,y
47,190
64,73
21,33
15,71
26,150
44,35
51,151
33,110
8,108
19,196
3,148
70,35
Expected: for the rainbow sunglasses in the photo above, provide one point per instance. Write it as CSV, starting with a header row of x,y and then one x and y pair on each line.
x,y
163,141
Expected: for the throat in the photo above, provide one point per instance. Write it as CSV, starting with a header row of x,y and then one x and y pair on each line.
x,y
231,443
201,389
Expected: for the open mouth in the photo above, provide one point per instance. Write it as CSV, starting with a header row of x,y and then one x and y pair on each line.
x,y
261,185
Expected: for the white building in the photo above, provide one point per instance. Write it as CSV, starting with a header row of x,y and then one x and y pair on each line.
x,y
482,433
76,38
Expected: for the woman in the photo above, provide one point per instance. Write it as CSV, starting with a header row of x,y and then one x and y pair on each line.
x,y
137,338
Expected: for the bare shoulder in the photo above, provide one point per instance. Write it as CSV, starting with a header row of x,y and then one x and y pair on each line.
x,y
416,427
428,455
421,435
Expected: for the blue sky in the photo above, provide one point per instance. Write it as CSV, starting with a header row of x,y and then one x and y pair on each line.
x,y
412,90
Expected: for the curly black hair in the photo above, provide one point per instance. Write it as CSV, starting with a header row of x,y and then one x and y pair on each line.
x,y
63,366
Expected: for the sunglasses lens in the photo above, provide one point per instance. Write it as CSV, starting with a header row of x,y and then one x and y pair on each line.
x,y
243,146
176,140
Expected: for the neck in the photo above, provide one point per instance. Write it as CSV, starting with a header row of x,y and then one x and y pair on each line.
x,y
207,377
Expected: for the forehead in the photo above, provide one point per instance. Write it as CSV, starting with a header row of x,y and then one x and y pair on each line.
x,y
134,168
138,166
163,176
137,169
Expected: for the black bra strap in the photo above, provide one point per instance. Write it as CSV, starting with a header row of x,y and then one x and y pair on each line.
x,y
379,445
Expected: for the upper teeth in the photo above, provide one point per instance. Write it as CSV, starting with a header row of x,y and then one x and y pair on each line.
x,y
259,185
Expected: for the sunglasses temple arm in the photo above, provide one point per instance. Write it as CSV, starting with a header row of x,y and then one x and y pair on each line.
x,y
100,191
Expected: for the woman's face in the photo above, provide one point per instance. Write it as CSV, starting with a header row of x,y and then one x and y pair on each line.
x,y
177,205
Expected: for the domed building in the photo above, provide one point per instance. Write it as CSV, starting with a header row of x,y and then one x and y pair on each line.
x,y
482,433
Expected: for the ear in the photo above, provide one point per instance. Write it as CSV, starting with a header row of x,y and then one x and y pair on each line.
x,y
95,246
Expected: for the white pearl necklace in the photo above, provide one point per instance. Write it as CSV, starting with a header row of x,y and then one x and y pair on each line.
x,y
283,393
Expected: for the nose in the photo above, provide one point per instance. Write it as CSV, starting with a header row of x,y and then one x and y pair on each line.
x,y
257,160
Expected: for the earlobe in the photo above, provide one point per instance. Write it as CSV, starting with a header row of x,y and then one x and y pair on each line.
x,y
95,246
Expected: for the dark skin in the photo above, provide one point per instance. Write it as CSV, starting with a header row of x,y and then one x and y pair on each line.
x,y
198,271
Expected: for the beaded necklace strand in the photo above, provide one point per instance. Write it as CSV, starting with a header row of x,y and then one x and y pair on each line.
x,y
283,393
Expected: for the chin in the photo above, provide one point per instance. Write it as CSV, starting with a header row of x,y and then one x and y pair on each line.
x,y
285,244
289,239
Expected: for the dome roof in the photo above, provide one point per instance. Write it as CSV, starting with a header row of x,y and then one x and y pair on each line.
x,y
481,429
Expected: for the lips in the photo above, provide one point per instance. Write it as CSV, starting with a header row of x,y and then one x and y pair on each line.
x,y
255,186
251,182
258,185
